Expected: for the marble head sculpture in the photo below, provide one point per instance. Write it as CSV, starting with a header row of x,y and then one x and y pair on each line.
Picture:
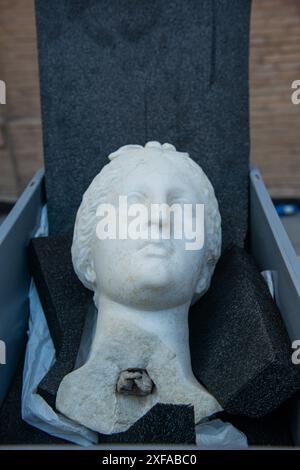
x,y
143,289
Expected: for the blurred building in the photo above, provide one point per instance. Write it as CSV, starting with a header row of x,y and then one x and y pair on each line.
x,y
275,121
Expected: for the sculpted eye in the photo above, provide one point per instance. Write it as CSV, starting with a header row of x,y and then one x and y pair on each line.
x,y
178,200
136,197
180,196
188,208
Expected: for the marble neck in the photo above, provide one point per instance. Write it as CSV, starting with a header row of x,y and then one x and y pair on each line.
x,y
169,325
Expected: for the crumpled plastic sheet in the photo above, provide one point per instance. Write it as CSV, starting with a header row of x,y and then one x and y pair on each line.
x,y
40,356
216,434
268,277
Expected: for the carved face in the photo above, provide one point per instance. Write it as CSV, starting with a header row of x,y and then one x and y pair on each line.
x,y
151,274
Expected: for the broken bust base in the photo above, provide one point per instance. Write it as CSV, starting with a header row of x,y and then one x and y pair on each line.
x,y
124,353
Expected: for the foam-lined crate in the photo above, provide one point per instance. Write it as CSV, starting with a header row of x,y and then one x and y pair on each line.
x,y
270,247
113,75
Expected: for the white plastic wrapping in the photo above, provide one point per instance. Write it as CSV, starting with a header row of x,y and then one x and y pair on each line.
x,y
39,357
268,277
216,434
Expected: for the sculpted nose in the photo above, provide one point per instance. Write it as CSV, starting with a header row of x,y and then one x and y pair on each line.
x,y
159,217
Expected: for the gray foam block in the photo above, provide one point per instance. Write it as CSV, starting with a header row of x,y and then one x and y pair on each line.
x,y
65,302
239,345
162,424
121,72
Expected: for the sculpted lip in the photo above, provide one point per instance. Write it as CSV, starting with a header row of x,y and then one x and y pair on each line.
x,y
155,248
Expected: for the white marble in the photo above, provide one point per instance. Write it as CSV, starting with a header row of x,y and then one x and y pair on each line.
x,y
143,291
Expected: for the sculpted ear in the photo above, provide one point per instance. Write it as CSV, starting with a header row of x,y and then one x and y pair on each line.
x,y
201,286
205,277
90,274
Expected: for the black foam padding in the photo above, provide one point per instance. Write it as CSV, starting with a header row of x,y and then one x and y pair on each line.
x,y
270,430
239,345
123,71
13,430
163,424
65,302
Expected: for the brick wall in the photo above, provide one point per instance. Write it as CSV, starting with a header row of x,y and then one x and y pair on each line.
x,y
275,121
20,123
